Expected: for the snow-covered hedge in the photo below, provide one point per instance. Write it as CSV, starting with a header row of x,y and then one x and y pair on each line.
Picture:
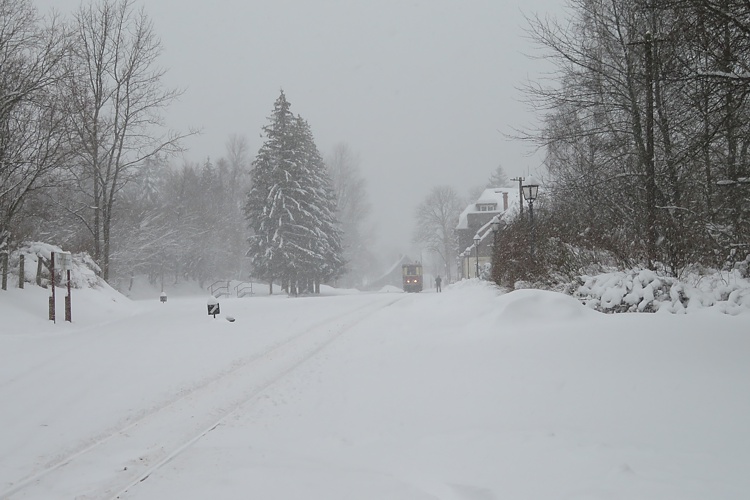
x,y
644,291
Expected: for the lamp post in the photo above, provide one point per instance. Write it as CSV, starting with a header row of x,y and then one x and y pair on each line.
x,y
495,223
476,245
495,228
465,262
530,192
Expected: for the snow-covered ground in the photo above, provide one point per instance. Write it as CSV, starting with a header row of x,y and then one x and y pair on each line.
x,y
469,394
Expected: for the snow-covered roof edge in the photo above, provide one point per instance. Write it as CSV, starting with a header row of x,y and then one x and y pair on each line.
x,y
492,195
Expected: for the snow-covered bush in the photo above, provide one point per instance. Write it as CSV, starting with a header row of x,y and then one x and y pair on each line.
x,y
743,267
556,261
642,290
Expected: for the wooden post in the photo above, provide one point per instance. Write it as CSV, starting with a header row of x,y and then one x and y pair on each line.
x,y
39,270
4,259
68,313
21,270
52,284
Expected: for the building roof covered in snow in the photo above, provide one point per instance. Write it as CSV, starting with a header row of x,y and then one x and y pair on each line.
x,y
504,201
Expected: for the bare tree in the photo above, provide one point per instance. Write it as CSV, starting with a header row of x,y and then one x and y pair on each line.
x,y
234,169
117,97
234,175
353,212
646,127
31,117
437,218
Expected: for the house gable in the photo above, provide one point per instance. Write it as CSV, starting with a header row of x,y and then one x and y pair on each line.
x,y
501,202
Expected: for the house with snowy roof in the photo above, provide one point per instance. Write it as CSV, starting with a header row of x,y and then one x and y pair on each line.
x,y
476,220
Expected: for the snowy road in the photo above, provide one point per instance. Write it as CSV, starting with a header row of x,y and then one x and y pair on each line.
x,y
94,439
464,395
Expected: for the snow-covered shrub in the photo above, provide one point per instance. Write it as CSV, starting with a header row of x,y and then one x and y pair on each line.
x,y
556,261
642,290
743,267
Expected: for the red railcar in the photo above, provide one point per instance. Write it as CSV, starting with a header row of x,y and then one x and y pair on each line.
x,y
412,276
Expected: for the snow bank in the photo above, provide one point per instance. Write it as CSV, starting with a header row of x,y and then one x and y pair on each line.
x,y
540,305
140,288
83,274
26,311
329,290
635,290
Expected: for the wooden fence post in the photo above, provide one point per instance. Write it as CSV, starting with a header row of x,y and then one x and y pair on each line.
x,y
4,259
39,270
21,270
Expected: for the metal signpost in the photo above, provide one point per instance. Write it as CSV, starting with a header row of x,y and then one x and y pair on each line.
x,y
213,306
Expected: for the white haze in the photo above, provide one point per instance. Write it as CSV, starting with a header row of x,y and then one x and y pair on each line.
x,y
423,90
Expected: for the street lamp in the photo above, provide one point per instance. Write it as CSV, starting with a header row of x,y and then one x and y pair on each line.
x,y
465,263
530,192
495,223
476,245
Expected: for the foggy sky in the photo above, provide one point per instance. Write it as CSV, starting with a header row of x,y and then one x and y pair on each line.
x,y
421,90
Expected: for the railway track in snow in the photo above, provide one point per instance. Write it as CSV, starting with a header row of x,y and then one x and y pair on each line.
x,y
108,465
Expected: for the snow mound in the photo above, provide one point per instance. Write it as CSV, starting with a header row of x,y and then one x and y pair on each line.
x,y
26,311
139,287
83,273
527,304
390,289
474,284
329,290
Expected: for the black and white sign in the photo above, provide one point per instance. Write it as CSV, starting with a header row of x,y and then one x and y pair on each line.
x,y
213,307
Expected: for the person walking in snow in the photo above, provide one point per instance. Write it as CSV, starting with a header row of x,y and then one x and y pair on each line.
x,y
438,280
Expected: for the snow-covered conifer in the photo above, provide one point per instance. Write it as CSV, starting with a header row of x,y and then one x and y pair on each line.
x,y
290,207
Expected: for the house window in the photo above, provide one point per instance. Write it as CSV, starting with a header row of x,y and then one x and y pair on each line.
x,y
486,207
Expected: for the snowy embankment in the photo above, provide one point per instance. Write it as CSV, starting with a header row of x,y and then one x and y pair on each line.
x,y
465,395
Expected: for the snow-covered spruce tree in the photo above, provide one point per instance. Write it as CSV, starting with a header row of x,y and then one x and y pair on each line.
x,y
321,208
291,207
262,209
